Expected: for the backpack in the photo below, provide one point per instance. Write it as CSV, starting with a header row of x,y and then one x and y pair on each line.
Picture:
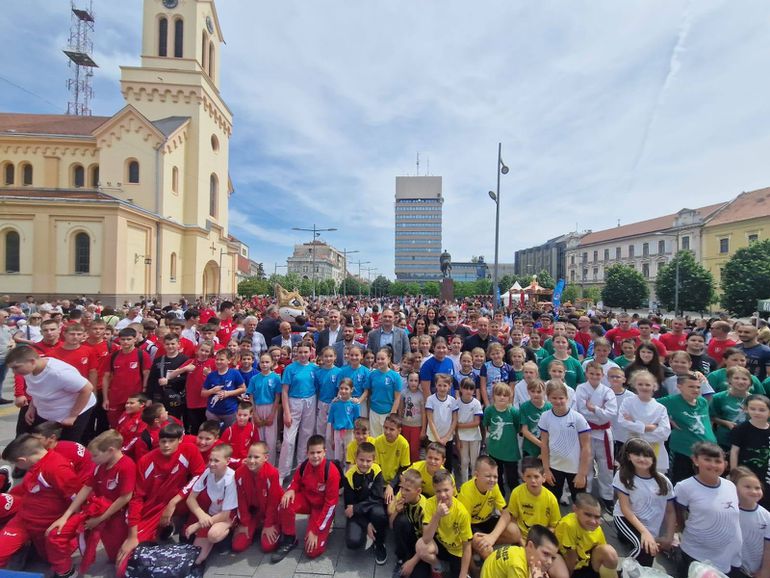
x,y
139,357
336,463
164,561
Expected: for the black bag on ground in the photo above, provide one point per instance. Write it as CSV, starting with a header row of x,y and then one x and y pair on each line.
x,y
164,561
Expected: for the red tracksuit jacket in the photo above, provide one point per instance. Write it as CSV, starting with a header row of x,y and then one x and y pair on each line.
x,y
258,493
47,491
78,456
240,438
160,478
322,494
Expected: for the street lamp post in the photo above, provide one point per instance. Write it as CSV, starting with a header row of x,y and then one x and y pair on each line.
x,y
275,269
316,233
359,263
345,253
502,169
369,277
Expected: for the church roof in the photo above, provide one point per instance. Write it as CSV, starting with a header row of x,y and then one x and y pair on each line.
x,y
49,124
170,124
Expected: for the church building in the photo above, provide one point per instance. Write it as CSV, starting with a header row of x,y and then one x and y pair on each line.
x,y
134,204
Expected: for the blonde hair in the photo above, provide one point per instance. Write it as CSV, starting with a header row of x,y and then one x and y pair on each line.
x,y
555,386
501,388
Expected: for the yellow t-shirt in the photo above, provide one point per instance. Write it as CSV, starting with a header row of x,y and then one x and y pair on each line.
x,y
413,512
572,537
454,529
350,455
480,506
529,510
506,562
391,456
427,479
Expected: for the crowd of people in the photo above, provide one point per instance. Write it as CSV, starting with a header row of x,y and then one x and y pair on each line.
x,y
454,427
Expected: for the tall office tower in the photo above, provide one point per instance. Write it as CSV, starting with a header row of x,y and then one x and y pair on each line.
x,y
418,228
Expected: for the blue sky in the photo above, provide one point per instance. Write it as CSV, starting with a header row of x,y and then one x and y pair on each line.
x,y
606,110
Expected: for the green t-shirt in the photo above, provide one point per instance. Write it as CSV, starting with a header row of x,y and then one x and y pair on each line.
x,y
725,406
574,375
718,381
548,346
622,361
540,354
693,421
529,416
502,431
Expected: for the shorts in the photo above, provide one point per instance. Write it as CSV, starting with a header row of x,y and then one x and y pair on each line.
x,y
455,562
485,527
585,572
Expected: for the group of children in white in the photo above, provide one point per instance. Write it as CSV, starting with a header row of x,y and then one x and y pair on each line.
x,y
364,431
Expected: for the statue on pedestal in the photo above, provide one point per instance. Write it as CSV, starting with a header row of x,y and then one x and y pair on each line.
x,y
446,265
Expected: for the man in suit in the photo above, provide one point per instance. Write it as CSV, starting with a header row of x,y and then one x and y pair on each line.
x,y
348,340
388,334
285,336
333,333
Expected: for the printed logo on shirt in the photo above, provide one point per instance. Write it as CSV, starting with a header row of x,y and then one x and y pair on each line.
x,y
83,361
133,365
729,505
35,489
81,450
321,487
112,484
8,502
175,470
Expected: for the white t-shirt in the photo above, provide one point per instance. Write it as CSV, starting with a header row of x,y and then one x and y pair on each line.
x,y
642,413
564,439
442,414
712,530
646,503
607,365
465,414
605,406
520,394
755,529
222,492
53,390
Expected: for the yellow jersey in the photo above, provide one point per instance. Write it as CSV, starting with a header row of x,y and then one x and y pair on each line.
x,y
350,455
454,529
427,478
572,536
528,509
391,456
506,562
413,512
480,506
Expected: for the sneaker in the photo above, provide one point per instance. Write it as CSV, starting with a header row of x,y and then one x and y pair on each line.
x,y
5,478
380,554
609,505
287,545
436,572
68,574
4,401
397,569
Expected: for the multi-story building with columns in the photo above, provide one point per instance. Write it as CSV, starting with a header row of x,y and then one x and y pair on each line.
x,y
132,204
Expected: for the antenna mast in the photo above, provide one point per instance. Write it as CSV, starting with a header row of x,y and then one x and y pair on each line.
x,y
81,63
418,164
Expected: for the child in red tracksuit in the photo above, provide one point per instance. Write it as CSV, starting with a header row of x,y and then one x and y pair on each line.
x,y
259,494
113,479
49,433
314,490
164,478
242,434
207,438
155,417
130,424
126,374
46,490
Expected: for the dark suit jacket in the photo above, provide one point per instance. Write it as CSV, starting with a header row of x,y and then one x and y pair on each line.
x,y
294,340
400,343
339,349
323,338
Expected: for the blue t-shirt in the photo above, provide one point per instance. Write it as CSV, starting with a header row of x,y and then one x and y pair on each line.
x,y
359,376
384,386
495,374
326,382
432,366
263,388
300,379
343,414
460,376
247,375
230,381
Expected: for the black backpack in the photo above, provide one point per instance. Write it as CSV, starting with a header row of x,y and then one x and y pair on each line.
x,y
336,463
164,561
140,359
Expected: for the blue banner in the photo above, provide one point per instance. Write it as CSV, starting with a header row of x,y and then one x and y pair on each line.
x,y
557,295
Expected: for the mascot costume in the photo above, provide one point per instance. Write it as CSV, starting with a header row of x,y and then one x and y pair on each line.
x,y
290,304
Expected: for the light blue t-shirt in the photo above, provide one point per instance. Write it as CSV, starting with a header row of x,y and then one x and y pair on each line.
x,y
384,386
343,414
264,388
300,379
359,376
326,382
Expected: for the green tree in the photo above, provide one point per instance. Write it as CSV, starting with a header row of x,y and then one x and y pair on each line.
x,y
746,278
571,293
431,289
482,287
261,271
381,285
544,279
413,289
624,287
397,289
592,293
696,284
326,287
505,282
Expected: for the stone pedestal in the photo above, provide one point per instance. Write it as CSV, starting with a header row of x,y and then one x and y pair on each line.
x,y
447,289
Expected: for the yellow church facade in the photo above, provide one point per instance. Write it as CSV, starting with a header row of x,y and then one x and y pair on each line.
x,y
135,204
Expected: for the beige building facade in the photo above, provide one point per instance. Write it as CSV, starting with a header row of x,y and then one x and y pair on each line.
x,y
329,262
135,204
